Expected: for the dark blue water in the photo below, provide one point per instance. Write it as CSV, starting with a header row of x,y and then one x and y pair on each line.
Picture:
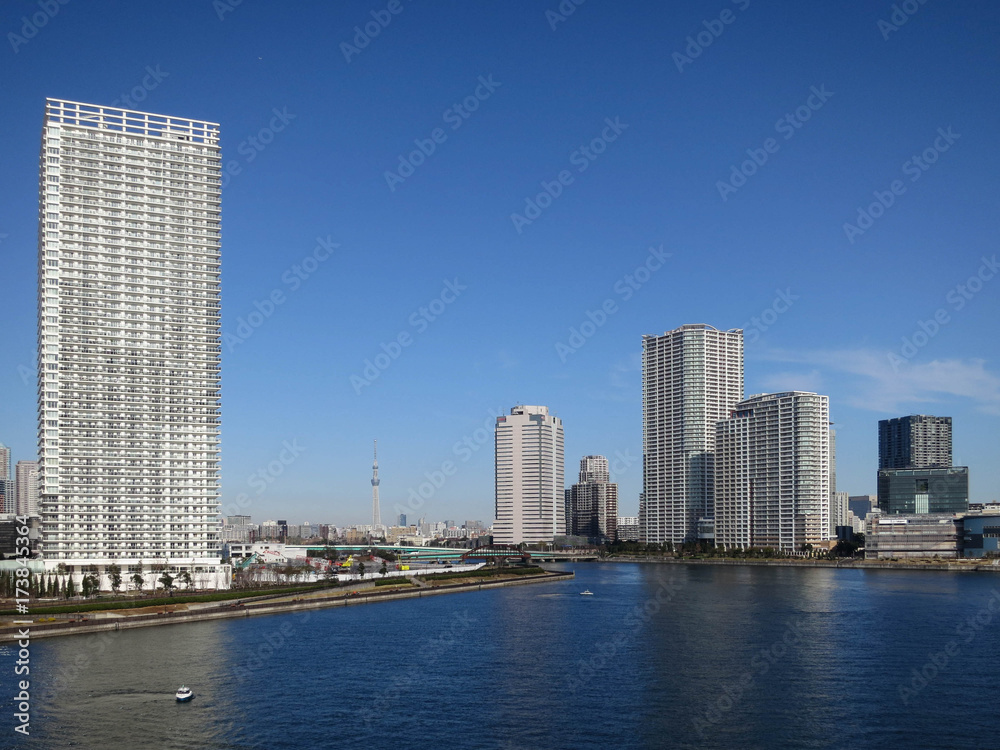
x,y
662,656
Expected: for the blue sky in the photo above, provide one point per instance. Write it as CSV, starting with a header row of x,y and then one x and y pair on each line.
x,y
738,162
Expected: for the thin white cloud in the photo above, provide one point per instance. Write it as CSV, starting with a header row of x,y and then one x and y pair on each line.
x,y
506,360
874,382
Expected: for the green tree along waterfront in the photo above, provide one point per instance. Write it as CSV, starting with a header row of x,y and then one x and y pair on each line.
x,y
707,550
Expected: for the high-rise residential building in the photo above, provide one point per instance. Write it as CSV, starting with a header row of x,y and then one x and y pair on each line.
x,y
8,496
593,502
129,340
628,528
7,499
236,528
530,498
594,469
234,532
692,377
27,488
839,509
772,472
833,460
919,441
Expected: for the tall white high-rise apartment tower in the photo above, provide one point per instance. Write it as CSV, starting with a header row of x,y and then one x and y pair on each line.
x,y
129,341
772,473
691,378
530,499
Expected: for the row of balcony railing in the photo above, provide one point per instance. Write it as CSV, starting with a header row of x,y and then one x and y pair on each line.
x,y
108,204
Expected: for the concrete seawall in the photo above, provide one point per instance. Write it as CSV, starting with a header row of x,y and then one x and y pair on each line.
x,y
228,612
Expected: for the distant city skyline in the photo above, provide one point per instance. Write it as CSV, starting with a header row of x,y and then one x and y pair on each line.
x,y
807,178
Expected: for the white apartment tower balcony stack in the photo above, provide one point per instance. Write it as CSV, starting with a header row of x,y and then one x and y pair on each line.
x,y
692,377
772,473
530,500
129,341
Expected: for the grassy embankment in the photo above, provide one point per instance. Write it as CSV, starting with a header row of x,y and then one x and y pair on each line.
x,y
104,604
475,576
113,604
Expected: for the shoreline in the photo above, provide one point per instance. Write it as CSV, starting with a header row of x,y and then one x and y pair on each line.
x,y
251,609
944,566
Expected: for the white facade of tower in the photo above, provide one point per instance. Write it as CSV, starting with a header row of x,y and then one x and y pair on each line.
x,y
129,341
839,511
772,472
691,378
530,499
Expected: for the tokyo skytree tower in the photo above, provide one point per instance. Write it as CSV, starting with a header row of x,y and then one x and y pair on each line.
x,y
376,513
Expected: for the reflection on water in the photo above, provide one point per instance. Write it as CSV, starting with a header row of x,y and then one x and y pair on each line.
x,y
110,689
660,656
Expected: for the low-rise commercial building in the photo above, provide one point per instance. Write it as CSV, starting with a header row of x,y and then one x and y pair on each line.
x,y
913,536
981,536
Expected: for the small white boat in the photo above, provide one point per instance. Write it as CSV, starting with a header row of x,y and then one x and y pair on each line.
x,y
586,592
184,694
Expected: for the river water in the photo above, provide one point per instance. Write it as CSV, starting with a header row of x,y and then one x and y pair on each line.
x,y
662,656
